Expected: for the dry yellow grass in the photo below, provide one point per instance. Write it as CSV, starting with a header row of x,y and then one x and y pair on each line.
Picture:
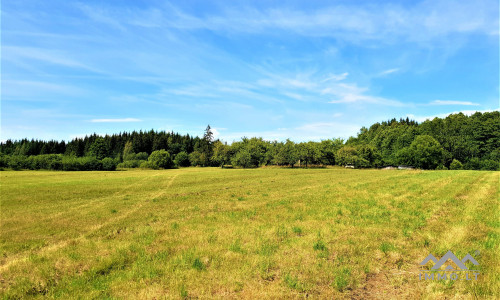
x,y
261,233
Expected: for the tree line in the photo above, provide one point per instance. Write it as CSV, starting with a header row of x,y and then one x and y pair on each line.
x,y
455,142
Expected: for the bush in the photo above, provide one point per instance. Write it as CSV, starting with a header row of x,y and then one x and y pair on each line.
x,y
196,158
46,161
90,163
243,159
71,163
131,164
349,156
182,159
424,152
456,165
141,156
109,164
441,167
4,161
129,157
30,163
18,162
473,164
346,156
146,165
160,159
489,165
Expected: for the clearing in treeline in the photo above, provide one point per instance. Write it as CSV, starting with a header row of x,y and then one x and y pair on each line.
x,y
246,233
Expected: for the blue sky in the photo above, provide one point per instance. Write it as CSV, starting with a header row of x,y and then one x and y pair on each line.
x,y
305,70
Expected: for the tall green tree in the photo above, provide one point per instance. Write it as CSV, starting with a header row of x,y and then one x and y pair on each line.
x,y
221,155
206,147
424,152
98,148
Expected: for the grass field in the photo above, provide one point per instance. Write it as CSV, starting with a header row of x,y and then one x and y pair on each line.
x,y
259,233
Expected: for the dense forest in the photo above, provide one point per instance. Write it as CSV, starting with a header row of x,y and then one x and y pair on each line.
x,y
455,142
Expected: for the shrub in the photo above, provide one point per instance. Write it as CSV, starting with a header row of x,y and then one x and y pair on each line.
x,y
456,165
489,164
196,158
46,161
424,152
90,163
145,165
182,159
160,159
129,157
109,164
243,159
141,156
55,162
4,161
349,156
71,163
441,167
18,162
30,163
473,164
130,164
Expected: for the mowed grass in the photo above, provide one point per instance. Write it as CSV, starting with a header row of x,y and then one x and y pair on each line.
x,y
259,233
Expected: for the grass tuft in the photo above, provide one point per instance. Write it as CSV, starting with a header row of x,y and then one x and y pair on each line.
x,y
198,264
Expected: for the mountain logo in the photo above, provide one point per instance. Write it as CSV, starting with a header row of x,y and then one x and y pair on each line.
x,y
452,257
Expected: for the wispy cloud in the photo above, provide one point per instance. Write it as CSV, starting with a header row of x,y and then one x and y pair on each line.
x,y
424,21
124,120
336,77
224,89
306,132
453,102
313,86
389,71
351,93
249,68
21,54
30,90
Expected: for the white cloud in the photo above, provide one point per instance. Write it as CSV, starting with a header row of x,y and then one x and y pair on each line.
x,y
453,102
216,131
310,87
223,89
124,120
336,77
389,71
30,90
21,54
351,93
315,131
295,96
425,21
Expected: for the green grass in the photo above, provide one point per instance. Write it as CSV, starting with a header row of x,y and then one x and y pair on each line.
x,y
260,233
